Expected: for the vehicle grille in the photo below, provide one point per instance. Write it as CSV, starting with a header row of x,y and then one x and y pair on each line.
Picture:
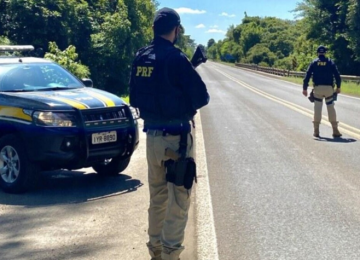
x,y
106,116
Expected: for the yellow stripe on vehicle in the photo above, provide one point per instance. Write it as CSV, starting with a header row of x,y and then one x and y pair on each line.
x,y
109,102
70,102
14,112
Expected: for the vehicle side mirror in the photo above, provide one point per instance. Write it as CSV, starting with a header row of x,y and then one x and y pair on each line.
x,y
87,82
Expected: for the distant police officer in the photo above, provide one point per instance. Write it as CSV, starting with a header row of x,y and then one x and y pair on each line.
x,y
167,90
323,70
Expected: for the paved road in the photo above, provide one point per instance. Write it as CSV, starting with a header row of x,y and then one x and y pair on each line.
x,y
79,215
277,192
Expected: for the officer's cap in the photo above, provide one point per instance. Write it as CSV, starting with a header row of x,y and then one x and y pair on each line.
x,y
165,20
321,49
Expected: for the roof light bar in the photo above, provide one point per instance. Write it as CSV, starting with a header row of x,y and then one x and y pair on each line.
x,y
16,48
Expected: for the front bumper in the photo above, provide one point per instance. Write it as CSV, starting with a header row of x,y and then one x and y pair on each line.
x,y
72,148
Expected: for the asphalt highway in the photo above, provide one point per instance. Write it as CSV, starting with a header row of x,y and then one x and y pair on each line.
x,y
267,190
277,192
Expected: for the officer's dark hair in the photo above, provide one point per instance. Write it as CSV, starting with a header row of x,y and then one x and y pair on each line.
x,y
159,31
166,19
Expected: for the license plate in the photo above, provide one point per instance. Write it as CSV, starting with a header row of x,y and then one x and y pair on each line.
x,y
105,137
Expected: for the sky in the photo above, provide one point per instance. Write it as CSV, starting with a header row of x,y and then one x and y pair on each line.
x,y
206,19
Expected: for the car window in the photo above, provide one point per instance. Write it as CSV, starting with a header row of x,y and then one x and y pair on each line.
x,y
32,77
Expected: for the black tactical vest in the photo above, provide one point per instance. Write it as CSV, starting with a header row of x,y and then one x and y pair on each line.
x,y
151,91
322,72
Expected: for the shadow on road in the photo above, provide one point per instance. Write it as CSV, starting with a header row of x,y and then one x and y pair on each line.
x,y
64,187
335,140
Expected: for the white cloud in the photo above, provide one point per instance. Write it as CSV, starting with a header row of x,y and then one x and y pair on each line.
x,y
185,10
216,31
200,26
227,15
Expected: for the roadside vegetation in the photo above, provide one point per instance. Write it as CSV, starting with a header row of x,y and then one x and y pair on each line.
x,y
350,88
98,39
291,45
92,38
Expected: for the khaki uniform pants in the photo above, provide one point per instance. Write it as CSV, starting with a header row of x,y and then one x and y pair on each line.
x,y
169,204
324,92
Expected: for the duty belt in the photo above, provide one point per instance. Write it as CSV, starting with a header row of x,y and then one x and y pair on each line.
x,y
175,129
155,132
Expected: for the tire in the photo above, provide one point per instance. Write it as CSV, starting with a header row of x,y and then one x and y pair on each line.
x,y
113,167
17,173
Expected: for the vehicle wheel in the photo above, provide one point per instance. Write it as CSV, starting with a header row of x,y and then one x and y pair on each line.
x,y
112,167
17,173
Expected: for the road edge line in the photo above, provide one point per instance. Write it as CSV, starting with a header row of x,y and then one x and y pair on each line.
x,y
269,75
206,235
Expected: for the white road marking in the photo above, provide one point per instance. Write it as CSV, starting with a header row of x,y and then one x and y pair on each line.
x,y
263,75
347,129
207,243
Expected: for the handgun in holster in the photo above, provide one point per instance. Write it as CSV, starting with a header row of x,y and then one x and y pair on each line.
x,y
311,96
180,170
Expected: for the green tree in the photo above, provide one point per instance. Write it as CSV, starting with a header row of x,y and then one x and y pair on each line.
x,y
67,59
260,54
237,33
38,22
185,43
212,52
4,40
353,22
106,34
326,23
210,43
277,42
232,49
250,36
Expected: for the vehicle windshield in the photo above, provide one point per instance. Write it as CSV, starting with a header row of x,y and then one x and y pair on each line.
x,y
36,77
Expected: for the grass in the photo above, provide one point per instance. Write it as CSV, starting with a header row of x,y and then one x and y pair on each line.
x,y
349,88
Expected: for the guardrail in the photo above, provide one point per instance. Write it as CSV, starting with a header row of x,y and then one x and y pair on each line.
x,y
289,73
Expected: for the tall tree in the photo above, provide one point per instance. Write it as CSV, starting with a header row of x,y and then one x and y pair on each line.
x,y
106,34
210,43
326,24
353,21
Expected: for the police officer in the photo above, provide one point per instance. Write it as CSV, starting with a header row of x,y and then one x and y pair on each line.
x,y
323,70
167,90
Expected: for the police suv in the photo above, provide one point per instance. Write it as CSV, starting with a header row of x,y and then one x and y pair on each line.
x,y
50,119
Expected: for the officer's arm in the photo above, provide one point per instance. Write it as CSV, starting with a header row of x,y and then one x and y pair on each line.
x,y
132,96
191,82
336,74
308,76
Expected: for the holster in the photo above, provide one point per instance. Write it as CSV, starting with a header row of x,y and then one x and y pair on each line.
x,y
335,96
311,96
181,172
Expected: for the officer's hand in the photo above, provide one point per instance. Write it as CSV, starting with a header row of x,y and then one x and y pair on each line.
x,y
338,90
305,93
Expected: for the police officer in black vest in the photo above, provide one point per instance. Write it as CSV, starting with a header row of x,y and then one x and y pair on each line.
x,y
323,71
167,90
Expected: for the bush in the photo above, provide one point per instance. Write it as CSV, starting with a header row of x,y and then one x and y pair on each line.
x,y
67,59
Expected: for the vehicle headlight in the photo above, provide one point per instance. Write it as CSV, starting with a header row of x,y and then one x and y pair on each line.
x,y
55,119
135,112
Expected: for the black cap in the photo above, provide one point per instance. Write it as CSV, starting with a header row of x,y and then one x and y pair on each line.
x,y
321,49
165,20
